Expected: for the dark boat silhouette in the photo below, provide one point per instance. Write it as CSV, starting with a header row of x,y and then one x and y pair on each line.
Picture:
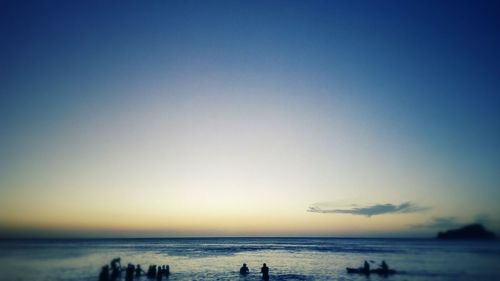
x,y
379,271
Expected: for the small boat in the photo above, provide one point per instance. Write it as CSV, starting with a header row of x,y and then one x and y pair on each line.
x,y
379,271
359,270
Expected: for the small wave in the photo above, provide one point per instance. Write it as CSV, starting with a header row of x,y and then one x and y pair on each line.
x,y
202,250
293,277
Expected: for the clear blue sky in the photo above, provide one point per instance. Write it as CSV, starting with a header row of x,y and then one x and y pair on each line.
x,y
239,110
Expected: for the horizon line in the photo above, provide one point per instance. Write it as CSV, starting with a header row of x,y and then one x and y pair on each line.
x,y
214,237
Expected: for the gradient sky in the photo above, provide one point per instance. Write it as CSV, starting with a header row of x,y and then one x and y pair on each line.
x,y
203,118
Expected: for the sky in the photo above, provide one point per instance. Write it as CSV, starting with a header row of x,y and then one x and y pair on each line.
x,y
248,118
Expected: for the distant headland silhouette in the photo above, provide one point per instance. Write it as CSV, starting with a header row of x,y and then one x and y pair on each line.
x,y
469,232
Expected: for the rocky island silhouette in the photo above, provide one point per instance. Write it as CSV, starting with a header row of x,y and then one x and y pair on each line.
x,y
469,232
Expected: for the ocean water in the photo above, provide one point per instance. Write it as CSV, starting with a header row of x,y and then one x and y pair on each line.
x,y
220,258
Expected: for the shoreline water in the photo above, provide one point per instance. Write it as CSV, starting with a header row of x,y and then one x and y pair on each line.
x,y
289,258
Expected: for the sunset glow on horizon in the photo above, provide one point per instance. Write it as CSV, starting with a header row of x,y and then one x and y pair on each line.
x,y
248,119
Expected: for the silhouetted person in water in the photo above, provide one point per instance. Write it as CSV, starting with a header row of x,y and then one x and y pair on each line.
x,y
384,266
152,271
115,273
138,270
366,268
115,268
115,264
265,272
165,270
159,274
244,269
129,272
104,275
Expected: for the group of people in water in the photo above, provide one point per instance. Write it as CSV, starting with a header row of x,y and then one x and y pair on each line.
x,y
264,270
113,271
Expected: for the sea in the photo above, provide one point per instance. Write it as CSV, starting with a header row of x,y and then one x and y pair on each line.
x,y
221,258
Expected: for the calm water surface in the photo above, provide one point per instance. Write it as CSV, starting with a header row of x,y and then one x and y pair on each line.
x,y
220,258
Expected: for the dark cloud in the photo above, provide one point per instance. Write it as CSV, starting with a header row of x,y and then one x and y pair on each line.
x,y
440,223
373,210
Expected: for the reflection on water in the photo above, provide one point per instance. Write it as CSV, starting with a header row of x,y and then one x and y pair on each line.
x,y
221,258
